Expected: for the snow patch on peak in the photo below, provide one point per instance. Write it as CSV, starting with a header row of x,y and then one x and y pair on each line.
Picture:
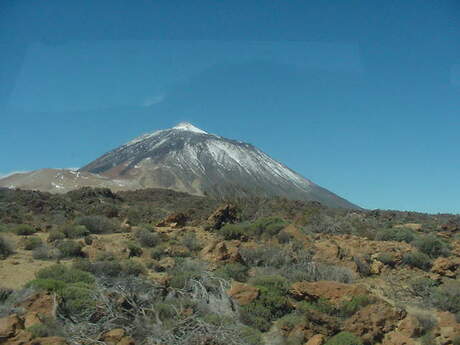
x,y
186,126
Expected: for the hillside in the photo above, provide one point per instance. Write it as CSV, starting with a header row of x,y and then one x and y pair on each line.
x,y
162,267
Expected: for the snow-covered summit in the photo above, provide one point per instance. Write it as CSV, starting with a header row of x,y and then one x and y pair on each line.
x,y
188,159
187,126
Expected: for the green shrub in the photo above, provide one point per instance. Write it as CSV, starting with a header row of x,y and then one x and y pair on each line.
x,y
271,304
134,249
56,235
344,338
24,230
46,284
387,259
77,299
191,242
417,259
106,267
456,340
97,224
291,320
6,247
447,296
65,274
234,232
33,242
45,252
158,252
73,231
133,268
432,246
267,227
234,271
147,238
395,234
69,248
348,308
49,327
284,237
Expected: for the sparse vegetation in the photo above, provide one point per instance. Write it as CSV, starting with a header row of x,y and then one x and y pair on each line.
x,y
6,247
417,259
97,224
344,338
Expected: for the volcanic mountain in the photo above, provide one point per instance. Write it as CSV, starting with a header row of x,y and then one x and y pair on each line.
x,y
188,159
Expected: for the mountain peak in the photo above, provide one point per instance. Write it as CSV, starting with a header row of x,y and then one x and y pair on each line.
x,y
187,126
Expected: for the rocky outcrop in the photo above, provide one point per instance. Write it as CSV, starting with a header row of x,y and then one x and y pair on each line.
x,y
243,294
372,322
226,214
317,339
176,220
225,251
117,336
332,291
445,267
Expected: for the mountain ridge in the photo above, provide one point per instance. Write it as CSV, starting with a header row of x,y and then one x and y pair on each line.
x,y
188,159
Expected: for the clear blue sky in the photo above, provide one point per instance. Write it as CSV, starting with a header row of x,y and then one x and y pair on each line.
x,y
362,97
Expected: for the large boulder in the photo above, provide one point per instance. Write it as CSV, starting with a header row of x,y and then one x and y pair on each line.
x,y
176,220
226,214
445,267
243,294
225,251
332,291
372,322
317,339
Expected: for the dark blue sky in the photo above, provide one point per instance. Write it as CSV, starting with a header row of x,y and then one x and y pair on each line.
x,y
362,97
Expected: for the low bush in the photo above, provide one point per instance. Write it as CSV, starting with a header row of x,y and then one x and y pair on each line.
x,y
284,237
271,304
75,288
235,271
133,249
234,232
432,246
348,308
387,259
344,338
417,259
158,252
97,224
56,235
395,234
6,247
49,327
69,248
65,274
24,230
191,242
133,268
147,238
45,252
32,242
73,231
447,296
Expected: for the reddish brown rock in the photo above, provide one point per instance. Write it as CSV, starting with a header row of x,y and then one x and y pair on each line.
x,y
445,267
447,329
48,341
225,251
332,291
243,294
114,336
176,220
10,326
373,321
44,304
226,214
317,339
397,338
126,341
410,327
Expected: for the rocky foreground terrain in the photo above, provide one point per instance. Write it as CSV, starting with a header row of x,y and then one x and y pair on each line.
x,y
160,267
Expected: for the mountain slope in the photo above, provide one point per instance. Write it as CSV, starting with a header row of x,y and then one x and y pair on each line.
x,y
186,158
